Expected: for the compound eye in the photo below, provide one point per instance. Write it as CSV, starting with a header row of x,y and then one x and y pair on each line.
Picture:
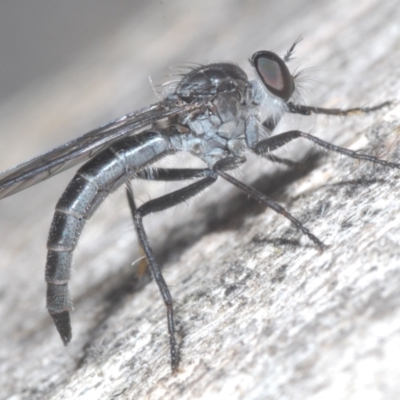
x,y
274,74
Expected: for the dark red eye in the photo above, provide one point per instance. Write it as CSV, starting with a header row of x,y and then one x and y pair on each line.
x,y
274,74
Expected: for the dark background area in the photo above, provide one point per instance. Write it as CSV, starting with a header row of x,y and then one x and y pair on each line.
x,y
38,37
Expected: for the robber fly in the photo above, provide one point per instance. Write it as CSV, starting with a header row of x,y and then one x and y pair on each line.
x,y
215,113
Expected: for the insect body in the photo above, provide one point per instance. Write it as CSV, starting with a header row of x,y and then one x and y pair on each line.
x,y
217,114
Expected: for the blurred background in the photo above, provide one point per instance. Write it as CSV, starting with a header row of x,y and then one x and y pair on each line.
x,y
39,37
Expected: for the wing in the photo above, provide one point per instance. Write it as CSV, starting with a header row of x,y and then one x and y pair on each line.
x,y
84,147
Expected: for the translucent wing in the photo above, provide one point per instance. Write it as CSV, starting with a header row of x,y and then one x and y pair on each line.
x,y
84,147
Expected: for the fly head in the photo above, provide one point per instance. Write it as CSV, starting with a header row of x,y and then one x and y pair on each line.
x,y
274,74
